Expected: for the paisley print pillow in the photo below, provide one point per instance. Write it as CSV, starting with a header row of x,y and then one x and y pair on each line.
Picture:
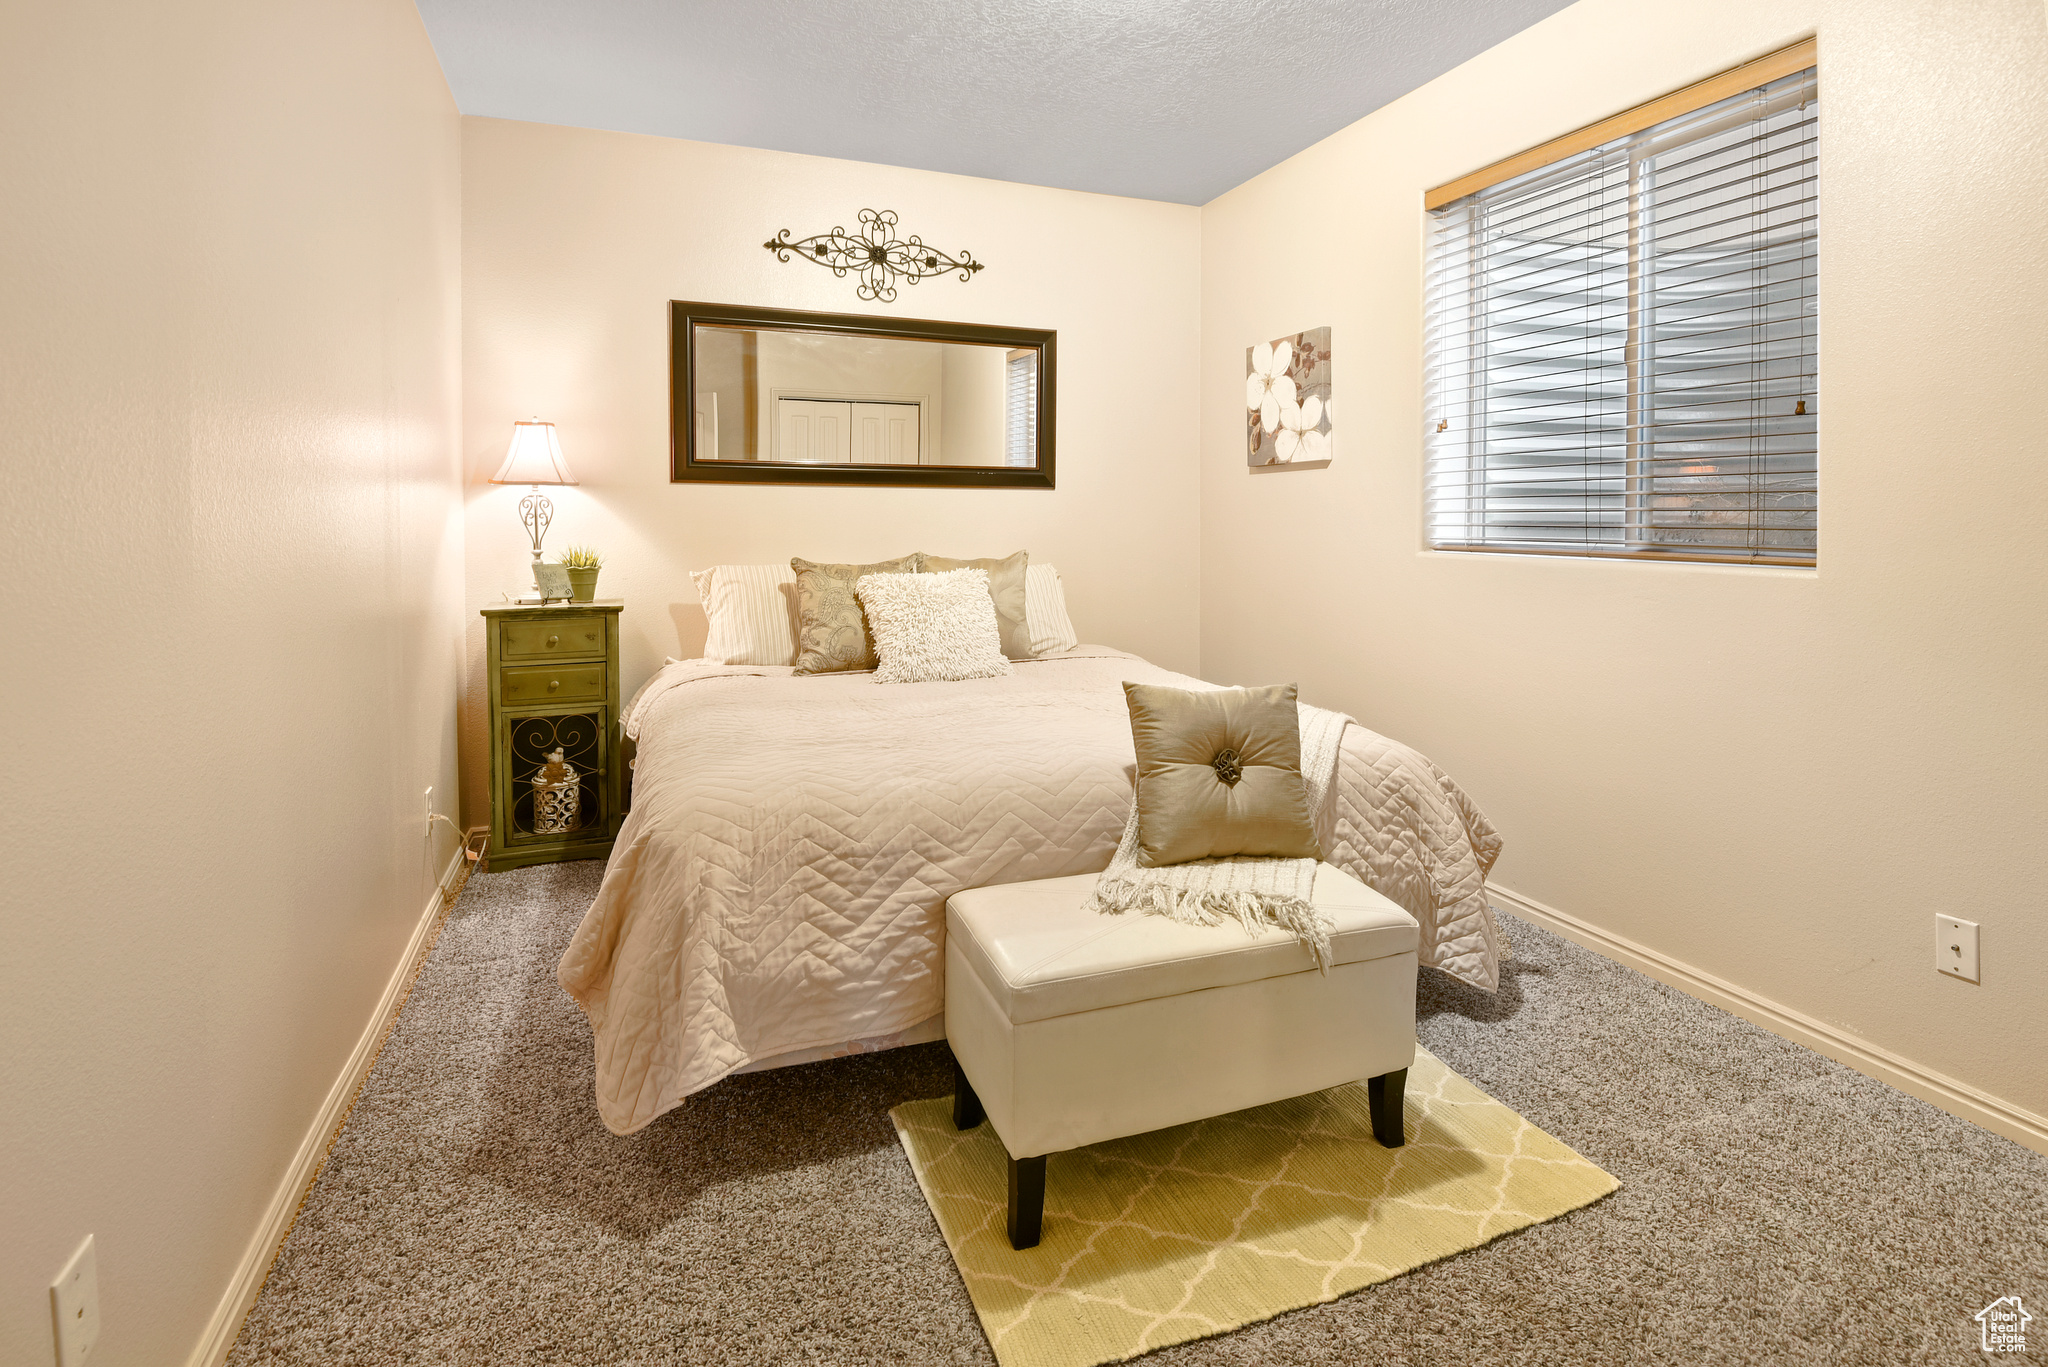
x,y
831,630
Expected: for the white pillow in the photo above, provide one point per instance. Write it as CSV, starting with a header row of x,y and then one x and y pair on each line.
x,y
753,613
930,628
1045,611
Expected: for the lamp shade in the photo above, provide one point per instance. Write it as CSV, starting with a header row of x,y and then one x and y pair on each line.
x,y
534,457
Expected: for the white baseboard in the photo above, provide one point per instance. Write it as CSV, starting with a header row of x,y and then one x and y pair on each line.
x,y
1957,1098
240,1297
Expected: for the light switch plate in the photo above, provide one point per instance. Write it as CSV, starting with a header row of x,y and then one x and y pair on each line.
x,y
75,1306
1955,948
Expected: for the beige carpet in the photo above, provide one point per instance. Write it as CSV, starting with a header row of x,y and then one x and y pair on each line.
x,y
1197,1230
1775,1209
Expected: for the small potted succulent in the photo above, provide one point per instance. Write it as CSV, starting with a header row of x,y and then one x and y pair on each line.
x,y
582,563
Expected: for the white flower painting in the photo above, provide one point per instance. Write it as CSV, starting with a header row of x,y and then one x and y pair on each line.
x,y
1269,387
1301,436
1287,401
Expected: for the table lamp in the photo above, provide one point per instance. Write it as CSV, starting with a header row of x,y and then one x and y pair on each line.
x,y
535,458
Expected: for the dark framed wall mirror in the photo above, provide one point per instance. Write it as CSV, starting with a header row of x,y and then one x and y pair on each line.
x,y
777,396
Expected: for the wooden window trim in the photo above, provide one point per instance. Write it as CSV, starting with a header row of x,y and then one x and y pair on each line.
x,y
1698,95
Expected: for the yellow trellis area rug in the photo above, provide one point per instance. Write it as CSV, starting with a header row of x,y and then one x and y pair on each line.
x,y
1202,1228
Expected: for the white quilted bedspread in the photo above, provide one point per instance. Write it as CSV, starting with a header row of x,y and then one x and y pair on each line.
x,y
780,883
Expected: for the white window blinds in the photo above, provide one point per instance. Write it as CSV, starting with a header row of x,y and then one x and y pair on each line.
x,y
1020,425
1622,348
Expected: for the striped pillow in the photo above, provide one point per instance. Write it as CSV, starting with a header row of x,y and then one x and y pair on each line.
x,y
753,613
1045,611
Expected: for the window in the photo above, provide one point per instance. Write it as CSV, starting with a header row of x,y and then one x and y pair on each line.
x,y
1020,413
1623,333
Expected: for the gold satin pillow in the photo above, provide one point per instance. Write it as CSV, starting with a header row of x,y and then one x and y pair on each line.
x,y
831,630
1005,588
1219,773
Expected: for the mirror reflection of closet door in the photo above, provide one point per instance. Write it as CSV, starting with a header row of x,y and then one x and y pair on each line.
x,y
813,431
885,433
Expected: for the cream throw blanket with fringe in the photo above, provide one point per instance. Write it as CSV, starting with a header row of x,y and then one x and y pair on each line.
x,y
1253,892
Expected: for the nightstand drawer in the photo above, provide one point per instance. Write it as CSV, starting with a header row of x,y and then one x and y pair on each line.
x,y
552,683
572,639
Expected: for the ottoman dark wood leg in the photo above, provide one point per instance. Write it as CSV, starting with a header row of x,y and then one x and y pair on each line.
x,y
1027,1200
967,1112
1384,1093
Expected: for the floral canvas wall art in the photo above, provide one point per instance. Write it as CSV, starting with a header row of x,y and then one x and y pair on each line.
x,y
1287,401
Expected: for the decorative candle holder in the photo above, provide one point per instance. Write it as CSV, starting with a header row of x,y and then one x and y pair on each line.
x,y
557,797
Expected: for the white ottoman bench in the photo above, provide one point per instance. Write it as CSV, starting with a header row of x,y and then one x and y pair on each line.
x,y
1069,1027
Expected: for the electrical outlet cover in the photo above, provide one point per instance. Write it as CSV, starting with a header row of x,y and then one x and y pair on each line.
x,y
1955,948
75,1306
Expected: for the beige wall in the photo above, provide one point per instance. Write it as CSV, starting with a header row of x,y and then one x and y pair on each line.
x,y
228,311
573,243
1778,777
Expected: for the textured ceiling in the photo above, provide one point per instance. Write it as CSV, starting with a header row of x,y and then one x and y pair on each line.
x,y
1163,99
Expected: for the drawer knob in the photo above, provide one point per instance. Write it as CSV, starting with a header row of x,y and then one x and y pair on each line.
x,y
553,639
554,684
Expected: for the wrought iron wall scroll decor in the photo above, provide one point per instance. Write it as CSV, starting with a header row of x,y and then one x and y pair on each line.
x,y
875,254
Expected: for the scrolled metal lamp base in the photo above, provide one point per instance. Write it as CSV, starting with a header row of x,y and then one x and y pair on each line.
x,y
535,513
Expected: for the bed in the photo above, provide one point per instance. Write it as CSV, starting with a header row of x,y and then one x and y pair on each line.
x,y
777,893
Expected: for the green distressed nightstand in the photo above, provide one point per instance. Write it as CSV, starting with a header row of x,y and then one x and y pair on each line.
x,y
554,687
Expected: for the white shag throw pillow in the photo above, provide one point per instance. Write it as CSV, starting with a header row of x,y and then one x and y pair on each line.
x,y
932,628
